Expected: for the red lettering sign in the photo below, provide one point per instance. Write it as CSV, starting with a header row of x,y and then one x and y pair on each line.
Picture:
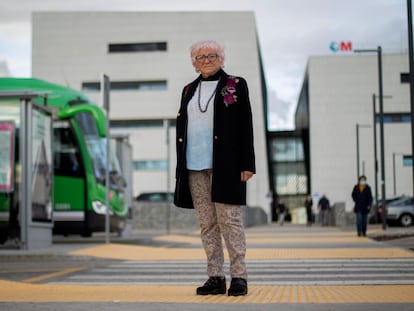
x,y
346,46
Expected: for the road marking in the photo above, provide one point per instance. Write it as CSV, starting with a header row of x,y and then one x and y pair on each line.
x,y
52,275
273,272
24,270
133,252
23,292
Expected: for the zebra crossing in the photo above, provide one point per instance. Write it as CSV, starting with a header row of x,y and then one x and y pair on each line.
x,y
398,271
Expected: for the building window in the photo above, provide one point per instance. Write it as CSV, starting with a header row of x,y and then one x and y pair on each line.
x,y
290,178
407,160
289,171
405,77
395,118
150,165
287,150
137,47
291,184
156,85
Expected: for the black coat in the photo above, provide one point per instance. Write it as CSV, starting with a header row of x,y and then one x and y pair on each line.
x,y
233,150
363,200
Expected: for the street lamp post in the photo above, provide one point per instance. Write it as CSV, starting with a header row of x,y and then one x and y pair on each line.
x,y
358,126
374,126
378,50
374,122
411,75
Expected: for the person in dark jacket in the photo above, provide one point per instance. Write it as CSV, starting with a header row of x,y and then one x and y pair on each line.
x,y
362,196
215,159
281,207
309,211
324,210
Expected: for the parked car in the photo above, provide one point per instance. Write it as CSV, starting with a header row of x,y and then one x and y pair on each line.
x,y
375,214
401,212
155,197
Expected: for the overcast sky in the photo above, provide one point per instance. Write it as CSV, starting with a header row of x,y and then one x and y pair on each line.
x,y
289,32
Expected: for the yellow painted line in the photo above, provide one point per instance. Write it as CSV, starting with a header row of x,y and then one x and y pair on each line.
x,y
23,292
302,234
51,275
324,253
337,240
341,237
253,234
24,271
133,252
179,239
264,240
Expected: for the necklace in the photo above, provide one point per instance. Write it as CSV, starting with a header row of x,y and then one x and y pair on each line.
x,y
199,99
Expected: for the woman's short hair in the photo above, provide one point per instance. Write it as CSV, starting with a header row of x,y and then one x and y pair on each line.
x,y
362,177
209,44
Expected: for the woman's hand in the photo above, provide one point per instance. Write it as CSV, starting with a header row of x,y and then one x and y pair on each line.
x,y
246,175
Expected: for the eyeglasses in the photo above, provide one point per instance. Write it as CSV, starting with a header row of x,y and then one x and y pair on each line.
x,y
210,57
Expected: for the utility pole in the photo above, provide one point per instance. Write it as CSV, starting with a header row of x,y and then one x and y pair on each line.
x,y
411,75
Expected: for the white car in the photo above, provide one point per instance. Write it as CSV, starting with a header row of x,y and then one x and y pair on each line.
x,y
401,212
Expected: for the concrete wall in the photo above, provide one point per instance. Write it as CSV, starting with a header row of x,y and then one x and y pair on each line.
x,y
155,216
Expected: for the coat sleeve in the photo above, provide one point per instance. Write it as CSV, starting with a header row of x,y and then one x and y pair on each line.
x,y
248,154
370,197
354,194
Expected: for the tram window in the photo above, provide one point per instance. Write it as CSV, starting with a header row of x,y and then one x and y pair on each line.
x,y
67,160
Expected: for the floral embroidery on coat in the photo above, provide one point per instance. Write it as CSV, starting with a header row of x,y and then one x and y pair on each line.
x,y
228,92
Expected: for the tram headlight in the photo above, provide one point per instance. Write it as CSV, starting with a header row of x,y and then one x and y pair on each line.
x,y
100,208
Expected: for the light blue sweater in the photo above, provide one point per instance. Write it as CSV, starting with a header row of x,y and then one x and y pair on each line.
x,y
200,128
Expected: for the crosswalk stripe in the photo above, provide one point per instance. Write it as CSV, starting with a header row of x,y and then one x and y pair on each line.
x,y
266,272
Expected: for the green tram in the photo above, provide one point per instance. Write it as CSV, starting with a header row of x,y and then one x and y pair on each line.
x,y
79,160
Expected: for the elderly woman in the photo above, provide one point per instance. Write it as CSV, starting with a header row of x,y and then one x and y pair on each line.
x,y
215,158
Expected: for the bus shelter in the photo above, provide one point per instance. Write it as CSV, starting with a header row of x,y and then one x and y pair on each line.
x,y
26,168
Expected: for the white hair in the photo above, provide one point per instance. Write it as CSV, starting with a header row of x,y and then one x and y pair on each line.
x,y
210,44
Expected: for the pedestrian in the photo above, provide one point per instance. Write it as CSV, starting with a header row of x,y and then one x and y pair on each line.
x,y
309,212
215,159
362,196
324,209
281,207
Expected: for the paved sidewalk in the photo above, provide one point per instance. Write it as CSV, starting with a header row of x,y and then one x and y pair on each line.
x,y
289,243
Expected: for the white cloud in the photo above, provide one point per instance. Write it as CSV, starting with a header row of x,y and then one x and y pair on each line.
x,y
280,112
15,51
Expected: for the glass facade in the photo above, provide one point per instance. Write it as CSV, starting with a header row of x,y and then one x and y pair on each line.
x,y
289,173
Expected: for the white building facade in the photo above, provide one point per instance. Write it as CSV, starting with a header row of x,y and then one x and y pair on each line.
x,y
338,97
146,56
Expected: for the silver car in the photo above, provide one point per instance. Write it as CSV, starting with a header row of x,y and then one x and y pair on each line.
x,y
401,212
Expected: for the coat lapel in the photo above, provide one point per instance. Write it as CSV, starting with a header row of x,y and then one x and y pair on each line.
x,y
218,100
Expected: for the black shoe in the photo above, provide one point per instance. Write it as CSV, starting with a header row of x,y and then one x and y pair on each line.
x,y
238,287
214,286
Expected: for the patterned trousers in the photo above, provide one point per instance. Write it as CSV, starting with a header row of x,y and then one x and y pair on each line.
x,y
218,220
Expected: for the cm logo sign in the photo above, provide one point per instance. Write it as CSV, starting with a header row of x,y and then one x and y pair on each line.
x,y
341,46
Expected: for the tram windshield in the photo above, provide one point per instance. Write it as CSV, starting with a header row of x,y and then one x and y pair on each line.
x,y
96,146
